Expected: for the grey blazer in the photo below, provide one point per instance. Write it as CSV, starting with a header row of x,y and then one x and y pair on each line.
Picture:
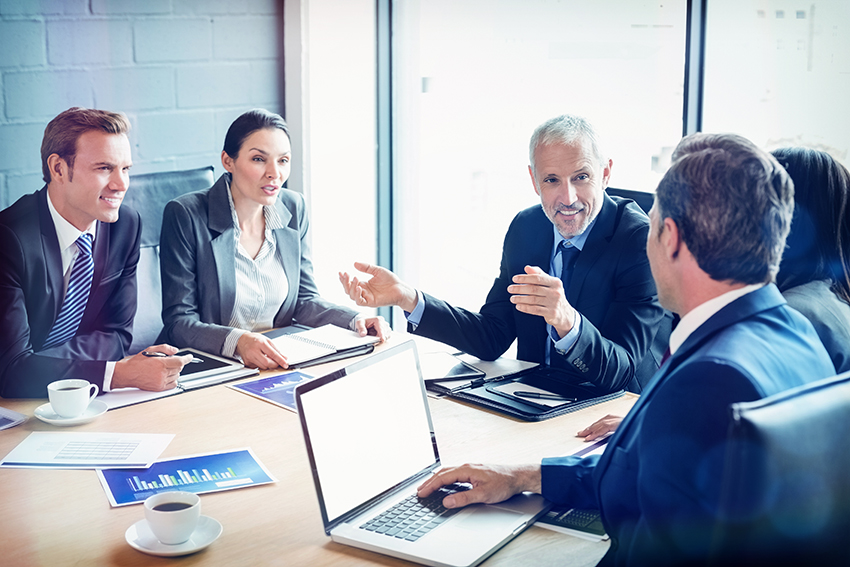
x,y
197,265
829,315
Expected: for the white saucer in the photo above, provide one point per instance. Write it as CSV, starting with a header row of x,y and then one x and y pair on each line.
x,y
140,537
46,414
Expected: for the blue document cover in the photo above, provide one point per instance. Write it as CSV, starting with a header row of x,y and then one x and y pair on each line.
x,y
200,474
279,390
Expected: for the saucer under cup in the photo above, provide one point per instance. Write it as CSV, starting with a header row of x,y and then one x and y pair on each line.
x,y
141,538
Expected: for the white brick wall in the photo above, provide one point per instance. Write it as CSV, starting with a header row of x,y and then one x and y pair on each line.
x,y
182,70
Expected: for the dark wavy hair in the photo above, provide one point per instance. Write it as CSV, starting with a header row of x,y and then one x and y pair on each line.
x,y
247,124
732,203
819,243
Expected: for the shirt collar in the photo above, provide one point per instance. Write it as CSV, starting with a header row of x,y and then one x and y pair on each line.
x,y
65,231
694,319
577,241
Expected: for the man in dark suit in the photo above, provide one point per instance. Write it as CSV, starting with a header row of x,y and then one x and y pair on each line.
x,y
68,267
597,318
719,223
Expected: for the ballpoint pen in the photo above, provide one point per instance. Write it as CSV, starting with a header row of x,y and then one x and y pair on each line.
x,y
162,354
542,396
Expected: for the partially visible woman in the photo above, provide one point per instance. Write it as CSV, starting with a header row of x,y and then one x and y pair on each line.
x,y
814,276
235,259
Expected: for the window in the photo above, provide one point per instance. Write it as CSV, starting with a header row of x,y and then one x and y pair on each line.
x,y
778,72
330,94
473,78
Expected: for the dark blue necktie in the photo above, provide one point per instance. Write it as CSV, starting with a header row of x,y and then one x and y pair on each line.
x,y
569,254
79,287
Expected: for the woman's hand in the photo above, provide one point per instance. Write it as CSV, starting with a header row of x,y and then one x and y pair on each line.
x,y
258,351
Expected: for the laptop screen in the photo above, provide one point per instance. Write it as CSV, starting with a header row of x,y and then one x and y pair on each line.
x,y
367,428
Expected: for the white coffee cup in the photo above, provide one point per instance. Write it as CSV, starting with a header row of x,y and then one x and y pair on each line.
x,y
70,398
173,516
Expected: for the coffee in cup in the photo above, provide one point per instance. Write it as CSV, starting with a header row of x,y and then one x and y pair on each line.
x,y
70,398
173,516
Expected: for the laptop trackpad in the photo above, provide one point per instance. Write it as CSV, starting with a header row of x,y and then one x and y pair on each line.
x,y
486,518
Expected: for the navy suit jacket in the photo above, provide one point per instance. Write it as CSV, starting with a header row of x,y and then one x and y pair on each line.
x,y
198,267
624,330
658,481
31,295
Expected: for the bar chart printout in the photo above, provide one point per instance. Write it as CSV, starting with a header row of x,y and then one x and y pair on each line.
x,y
200,474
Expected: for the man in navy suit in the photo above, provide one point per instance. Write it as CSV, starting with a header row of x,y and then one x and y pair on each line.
x,y
597,318
718,229
85,162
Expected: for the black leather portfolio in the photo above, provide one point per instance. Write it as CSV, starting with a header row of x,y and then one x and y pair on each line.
x,y
533,394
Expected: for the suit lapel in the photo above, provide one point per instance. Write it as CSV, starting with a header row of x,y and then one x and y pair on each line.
x,y
288,247
52,257
535,251
223,247
594,247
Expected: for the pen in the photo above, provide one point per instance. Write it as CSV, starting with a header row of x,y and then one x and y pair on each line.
x,y
542,396
162,354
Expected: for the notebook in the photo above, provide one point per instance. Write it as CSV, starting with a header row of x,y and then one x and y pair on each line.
x,y
370,443
304,348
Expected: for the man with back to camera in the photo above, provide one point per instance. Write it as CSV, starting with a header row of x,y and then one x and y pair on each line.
x,y
597,318
718,228
68,267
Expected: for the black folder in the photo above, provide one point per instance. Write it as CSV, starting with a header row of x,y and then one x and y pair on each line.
x,y
514,394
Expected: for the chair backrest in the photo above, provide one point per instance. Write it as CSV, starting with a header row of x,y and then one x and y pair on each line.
x,y
786,484
149,194
643,199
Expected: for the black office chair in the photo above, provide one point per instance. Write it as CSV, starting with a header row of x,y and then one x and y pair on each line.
x,y
643,199
786,485
148,194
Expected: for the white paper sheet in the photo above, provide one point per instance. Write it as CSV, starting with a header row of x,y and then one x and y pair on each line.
x,y
60,450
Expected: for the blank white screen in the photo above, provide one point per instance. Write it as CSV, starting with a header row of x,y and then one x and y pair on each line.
x,y
369,431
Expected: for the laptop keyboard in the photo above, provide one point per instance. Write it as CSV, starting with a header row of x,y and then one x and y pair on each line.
x,y
414,517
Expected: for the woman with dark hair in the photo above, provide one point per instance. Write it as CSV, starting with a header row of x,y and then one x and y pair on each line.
x,y
235,259
814,275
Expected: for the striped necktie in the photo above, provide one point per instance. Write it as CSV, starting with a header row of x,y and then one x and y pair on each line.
x,y
79,287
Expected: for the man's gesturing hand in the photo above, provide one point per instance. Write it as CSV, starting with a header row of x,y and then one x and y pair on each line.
x,y
537,293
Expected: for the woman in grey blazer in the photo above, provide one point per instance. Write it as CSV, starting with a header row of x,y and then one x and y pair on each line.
x,y
234,258
814,276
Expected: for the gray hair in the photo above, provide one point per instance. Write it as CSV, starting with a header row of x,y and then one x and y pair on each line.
x,y
565,129
732,203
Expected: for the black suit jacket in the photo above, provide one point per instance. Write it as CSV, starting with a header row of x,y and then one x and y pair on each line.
x,y
624,331
31,295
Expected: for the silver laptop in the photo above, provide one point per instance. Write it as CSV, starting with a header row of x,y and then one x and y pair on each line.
x,y
371,444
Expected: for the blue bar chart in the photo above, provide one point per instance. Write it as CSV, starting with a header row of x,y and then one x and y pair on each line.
x,y
199,474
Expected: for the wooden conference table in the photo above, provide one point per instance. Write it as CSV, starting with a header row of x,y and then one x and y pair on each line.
x,y
62,517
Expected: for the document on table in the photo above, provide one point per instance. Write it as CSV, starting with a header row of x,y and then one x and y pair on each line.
x,y
279,390
60,450
210,472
